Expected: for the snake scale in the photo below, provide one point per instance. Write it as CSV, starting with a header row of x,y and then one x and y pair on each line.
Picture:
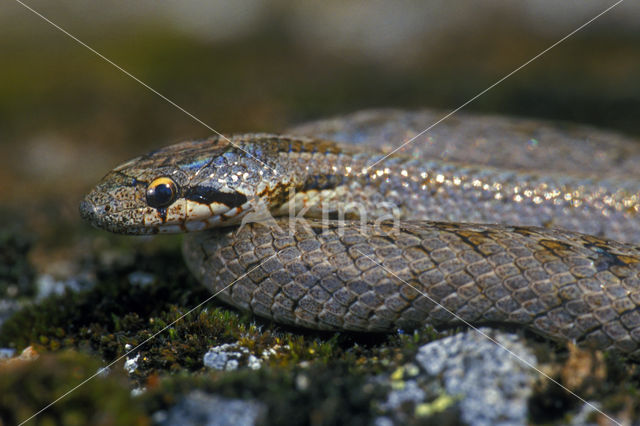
x,y
485,220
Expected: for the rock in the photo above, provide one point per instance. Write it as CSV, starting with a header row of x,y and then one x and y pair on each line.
x,y
199,408
230,357
6,353
462,378
492,385
131,364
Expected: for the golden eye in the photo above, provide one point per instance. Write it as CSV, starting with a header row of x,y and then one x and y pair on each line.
x,y
161,192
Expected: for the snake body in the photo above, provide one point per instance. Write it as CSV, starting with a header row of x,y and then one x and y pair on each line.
x,y
406,239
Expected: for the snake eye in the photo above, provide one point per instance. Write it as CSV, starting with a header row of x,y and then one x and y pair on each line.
x,y
161,192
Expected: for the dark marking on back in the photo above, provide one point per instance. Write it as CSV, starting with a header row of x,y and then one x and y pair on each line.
x,y
605,259
474,239
208,195
554,246
388,239
524,231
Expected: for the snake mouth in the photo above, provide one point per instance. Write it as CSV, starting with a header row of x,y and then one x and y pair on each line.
x,y
182,216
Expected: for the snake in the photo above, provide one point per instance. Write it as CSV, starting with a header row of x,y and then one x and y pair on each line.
x,y
483,220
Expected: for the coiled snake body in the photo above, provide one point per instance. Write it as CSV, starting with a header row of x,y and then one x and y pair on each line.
x,y
485,220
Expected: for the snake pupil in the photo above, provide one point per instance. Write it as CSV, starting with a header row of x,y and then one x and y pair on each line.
x,y
161,192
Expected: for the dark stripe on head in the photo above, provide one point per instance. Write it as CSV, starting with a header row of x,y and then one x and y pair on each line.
x,y
208,195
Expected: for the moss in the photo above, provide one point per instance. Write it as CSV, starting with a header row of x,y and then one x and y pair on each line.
x,y
327,379
29,386
111,313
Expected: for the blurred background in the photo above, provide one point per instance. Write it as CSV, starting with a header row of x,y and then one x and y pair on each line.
x,y
67,117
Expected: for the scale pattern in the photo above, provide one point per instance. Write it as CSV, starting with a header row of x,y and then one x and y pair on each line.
x,y
343,276
529,178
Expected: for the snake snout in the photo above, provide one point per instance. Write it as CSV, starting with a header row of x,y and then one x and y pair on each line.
x,y
97,216
88,212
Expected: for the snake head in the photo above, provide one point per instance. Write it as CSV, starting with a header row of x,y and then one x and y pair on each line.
x,y
189,186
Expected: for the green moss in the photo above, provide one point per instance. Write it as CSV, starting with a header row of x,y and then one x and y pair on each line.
x,y
29,386
111,313
328,379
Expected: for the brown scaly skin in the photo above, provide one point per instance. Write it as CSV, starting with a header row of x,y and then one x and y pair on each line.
x,y
561,284
327,275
